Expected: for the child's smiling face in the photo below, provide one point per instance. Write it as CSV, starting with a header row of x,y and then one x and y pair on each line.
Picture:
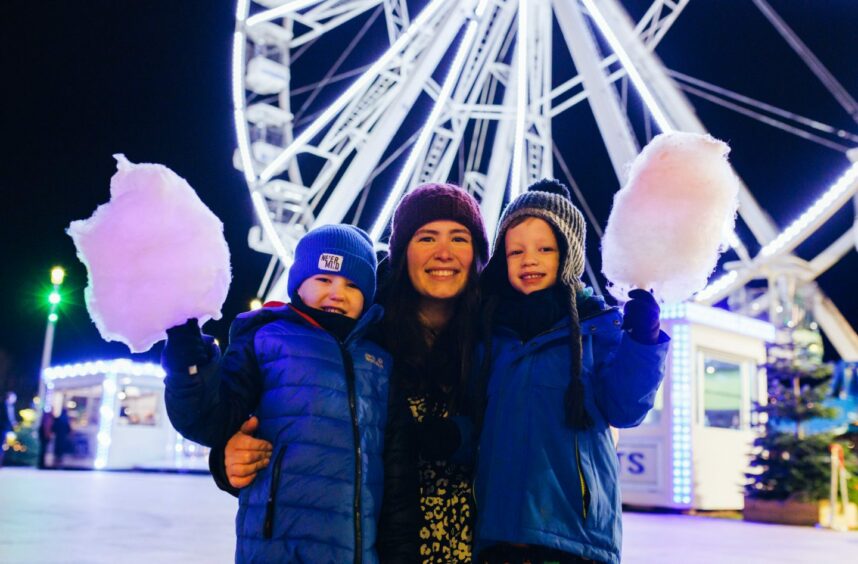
x,y
332,293
532,255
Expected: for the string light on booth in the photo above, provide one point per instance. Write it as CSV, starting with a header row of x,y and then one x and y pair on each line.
x,y
680,393
106,414
719,319
118,366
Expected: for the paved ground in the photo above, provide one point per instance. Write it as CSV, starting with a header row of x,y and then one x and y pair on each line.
x,y
107,517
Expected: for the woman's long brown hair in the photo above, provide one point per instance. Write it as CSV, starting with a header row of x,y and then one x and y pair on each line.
x,y
427,362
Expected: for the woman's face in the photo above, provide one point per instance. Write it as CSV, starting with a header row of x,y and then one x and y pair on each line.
x,y
439,257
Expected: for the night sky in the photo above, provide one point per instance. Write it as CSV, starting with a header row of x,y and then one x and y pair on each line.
x,y
84,80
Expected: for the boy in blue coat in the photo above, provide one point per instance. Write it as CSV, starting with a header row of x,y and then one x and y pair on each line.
x,y
319,389
558,369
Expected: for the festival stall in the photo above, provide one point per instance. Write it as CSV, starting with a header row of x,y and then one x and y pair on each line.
x,y
118,420
693,449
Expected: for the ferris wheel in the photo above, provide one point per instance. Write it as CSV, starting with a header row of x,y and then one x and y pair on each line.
x,y
342,106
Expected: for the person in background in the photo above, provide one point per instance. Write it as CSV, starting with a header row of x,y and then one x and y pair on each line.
x,y
7,421
62,430
46,433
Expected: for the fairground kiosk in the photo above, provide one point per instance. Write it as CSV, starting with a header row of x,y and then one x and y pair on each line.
x,y
118,419
693,449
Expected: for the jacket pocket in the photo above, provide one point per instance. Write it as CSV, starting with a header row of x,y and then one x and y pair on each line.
x,y
271,503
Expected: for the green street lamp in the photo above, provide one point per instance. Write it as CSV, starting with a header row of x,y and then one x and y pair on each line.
x,y
58,275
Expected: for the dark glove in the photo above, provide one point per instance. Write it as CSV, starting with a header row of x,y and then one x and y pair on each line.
x,y
186,348
437,438
640,317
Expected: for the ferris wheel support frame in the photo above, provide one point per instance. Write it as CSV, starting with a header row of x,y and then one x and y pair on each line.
x,y
653,26
611,119
523,135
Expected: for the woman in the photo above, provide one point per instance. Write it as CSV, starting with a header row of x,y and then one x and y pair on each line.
x,y
428,283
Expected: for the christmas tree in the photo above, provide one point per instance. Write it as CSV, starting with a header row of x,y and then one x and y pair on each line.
x,y
788,462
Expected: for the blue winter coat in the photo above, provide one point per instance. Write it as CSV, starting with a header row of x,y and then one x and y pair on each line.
x,y
538,481
323,407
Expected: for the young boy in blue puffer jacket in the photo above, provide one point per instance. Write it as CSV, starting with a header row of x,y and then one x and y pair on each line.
x,y
320,391
558,368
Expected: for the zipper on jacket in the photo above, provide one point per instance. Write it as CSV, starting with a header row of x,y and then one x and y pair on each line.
x,y
350,381
268,526
585,492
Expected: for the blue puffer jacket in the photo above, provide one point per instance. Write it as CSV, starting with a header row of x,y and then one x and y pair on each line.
x,y
538,481
323,406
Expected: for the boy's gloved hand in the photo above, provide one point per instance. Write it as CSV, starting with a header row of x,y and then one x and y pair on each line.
x,y
437,438
186,348
640,317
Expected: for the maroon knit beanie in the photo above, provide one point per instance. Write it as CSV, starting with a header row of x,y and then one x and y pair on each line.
x,y
437,202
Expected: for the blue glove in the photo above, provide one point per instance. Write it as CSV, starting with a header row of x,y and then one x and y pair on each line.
x,y
186,349
640,317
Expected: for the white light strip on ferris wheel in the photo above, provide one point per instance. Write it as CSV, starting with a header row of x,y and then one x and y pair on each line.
x,y
238,100
279,11
834,197
264,216
429,127
660,117
717,286
365,79
521,100
241,9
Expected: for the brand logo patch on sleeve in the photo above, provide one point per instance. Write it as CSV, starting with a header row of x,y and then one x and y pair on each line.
x,y
332,263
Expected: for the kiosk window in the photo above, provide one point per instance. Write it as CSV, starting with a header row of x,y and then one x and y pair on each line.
x,y
722,394
82,405
138,406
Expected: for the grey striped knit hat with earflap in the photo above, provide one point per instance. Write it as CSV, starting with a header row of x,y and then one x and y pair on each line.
x,y
550,200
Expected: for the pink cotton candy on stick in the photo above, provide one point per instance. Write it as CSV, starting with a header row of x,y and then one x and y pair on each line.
x,y
155,256
672,219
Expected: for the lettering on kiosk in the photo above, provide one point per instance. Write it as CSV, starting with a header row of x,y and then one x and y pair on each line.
x,y
638,465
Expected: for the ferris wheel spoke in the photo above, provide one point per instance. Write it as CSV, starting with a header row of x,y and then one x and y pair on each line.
x,y
396,12
651,29
283,10
604,101
327,16
724,93
338,63
390,99
846,101
434,152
